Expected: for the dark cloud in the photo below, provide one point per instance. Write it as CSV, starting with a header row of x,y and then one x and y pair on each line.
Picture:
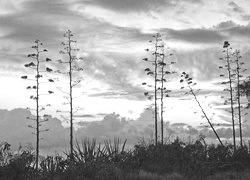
x,y
240,31
132,5
179,124
137,5
227,30
225,25
35,20
194,35
235,7
86,115
47,7
23,27
233,31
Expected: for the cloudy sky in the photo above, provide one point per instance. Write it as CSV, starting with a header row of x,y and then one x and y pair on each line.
x,y
112,36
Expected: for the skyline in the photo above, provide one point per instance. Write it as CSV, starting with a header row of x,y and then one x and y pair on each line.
x,y
112,36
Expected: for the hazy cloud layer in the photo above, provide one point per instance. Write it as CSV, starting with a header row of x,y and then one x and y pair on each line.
x,y
15,131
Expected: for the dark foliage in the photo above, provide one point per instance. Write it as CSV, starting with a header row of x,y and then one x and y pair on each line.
x,y
111,161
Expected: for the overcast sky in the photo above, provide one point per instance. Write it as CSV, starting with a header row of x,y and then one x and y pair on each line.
x,y
112,36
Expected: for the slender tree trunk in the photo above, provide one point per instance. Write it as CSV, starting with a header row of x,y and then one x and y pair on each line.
x,y
162,104
231,98
156,109
37,110
71,100
238,97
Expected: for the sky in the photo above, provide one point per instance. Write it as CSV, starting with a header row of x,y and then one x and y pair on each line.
x,y
112,36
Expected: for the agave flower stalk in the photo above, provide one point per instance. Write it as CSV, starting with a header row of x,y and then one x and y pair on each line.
x,y
73,67
231,78
190,84
154,73
35,64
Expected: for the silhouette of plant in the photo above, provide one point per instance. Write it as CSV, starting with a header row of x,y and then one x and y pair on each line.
x,y
190,84
239,79
230,75
235,74
158,71
36,65
163,73
73,68
157,43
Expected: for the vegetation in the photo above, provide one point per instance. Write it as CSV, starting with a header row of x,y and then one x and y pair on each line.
x,y
35,64
230,76
235,75
111,160
73,67
157,43
158,70
239,75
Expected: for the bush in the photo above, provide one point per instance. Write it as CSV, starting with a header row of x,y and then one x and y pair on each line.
x,y
176,160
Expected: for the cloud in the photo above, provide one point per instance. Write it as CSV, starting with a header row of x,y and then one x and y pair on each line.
x,y
21,26
239,10
43,20
235,7
126,6
240,31
118,71
217,34
194,35
131,5
14,130
225,25
202,65
86,115
233,30
246,17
